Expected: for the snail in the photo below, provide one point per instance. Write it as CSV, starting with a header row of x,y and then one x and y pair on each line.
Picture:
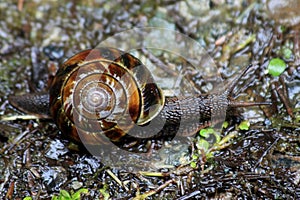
x,y
107,93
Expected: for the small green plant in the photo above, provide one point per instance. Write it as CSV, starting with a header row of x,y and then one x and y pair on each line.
x,y
276,67
104,192
286,53
65,195
244,125
225,124
208,138
209,142
193,163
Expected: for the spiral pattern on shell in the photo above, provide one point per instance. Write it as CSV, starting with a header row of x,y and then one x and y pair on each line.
x,y
103,91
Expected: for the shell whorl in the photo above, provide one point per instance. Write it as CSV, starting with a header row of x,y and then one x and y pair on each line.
x,y
103,91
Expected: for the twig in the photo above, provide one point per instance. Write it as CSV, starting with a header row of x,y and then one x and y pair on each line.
x,y
265,153
116,178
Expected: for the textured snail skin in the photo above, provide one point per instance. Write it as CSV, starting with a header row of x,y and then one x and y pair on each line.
x,y
147,111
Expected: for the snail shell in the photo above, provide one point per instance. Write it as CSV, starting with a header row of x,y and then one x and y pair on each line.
x,y
103,91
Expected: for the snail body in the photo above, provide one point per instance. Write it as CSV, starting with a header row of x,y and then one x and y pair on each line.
x,y
107,93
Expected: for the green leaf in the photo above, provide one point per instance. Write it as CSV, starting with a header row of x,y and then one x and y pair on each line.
x,y
77,194
27,198
202,144
276,67
54,197
244,125
194,157
209,155
206,132
218,137
287,53
64,195
282,28
193,164
225,124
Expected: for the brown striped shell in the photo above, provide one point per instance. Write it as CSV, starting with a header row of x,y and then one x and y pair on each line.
x,y
103,91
